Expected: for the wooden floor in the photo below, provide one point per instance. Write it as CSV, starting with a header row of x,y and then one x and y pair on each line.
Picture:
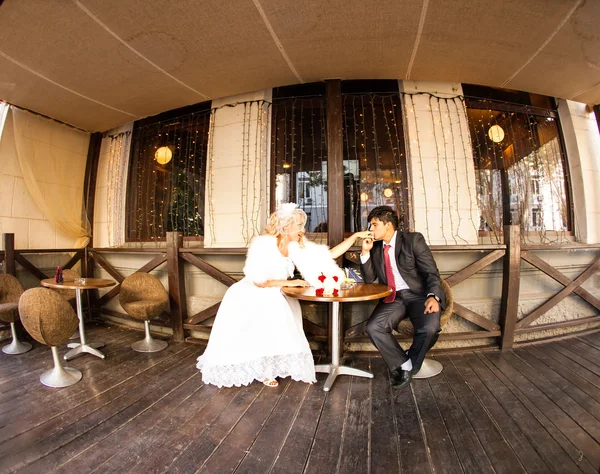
x,y
534,409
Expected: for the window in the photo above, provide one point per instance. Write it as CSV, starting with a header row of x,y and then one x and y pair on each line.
x,y
374,158
167,174
520,168
299,151
373,151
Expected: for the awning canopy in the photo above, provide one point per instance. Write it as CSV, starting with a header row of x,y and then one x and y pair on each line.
x,y
98,64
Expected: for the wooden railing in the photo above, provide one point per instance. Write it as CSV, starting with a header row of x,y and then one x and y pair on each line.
x,y
175,256
570,286
489,329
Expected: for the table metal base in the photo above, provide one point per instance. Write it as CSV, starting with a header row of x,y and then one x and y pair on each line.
x,y
335,370
78,349
83,348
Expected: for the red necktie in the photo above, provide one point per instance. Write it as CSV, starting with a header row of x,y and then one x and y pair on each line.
x,y
389,274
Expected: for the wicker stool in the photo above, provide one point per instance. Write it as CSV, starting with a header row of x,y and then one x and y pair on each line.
x,y
143,297
430,367
49,318
10,292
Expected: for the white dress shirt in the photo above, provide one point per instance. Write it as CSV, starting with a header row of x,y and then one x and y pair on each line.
x,y
400,283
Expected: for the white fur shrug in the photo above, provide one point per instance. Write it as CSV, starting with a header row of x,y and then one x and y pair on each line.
x,y
314,260
265,262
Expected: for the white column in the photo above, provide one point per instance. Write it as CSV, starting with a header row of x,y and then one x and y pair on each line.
x,y
582,141
238,170
440,163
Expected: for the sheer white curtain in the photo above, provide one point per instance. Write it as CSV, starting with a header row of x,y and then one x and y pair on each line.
x,y
118,160
4,108
52,158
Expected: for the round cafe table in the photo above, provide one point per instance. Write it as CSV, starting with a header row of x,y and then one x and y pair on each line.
x,y
360,292
90,284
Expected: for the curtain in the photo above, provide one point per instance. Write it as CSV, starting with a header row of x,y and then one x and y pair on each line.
x,y
52,158
118,160
4,108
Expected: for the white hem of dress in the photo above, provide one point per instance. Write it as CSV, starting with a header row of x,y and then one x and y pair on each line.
x,y
298,366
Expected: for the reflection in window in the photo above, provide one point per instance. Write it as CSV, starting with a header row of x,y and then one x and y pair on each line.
x,y
373,151
167,174
299,151
374,159
520,169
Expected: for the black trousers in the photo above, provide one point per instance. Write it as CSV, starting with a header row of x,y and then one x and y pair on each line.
x,y
386,317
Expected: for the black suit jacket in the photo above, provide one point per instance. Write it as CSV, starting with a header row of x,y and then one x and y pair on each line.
x,y
415,264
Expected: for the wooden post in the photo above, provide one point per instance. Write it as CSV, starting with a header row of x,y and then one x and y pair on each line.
x,y
176,284
335,164
89,185
87,271
9,254
511,276
335,179
89,199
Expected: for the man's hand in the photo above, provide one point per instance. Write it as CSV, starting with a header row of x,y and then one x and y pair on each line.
x,y
431,305
367,245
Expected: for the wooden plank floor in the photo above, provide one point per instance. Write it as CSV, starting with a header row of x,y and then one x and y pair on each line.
x,y
535,409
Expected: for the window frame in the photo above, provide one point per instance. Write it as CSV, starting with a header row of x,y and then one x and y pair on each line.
x,y
484,96
130,217
347,88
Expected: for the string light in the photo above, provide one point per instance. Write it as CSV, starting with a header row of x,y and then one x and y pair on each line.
x,y
466,164
210,176
447,169
530,159
169,195
244,184
422,174
438,172
370,147
257,167
452,128
118,157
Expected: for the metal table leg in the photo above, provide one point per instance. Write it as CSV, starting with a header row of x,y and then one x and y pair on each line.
x,y
84,347
334,369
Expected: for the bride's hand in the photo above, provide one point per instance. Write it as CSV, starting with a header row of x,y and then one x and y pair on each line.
x,y
363,234
296,283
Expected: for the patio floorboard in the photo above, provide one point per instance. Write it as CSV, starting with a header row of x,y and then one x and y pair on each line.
x,y
532,409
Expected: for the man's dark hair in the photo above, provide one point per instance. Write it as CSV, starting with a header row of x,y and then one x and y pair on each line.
x,y
385,214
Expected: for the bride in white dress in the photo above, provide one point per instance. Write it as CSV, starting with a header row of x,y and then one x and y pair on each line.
x,y
257,333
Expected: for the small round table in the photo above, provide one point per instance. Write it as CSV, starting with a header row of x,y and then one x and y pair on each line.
x,y
360,292
90,284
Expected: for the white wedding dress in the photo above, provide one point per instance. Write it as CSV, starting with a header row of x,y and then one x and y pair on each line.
x,y
258,332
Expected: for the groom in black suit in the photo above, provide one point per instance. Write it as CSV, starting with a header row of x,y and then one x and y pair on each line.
x,y
402,260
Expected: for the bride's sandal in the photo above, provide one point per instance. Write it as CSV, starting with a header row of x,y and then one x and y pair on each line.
x,y
271,383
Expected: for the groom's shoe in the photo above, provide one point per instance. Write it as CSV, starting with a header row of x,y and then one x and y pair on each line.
x,y
401,378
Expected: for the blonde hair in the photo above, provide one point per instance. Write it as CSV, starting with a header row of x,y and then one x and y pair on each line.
x,y
282,220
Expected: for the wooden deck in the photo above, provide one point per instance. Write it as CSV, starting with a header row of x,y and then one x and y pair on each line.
x,y
533,409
